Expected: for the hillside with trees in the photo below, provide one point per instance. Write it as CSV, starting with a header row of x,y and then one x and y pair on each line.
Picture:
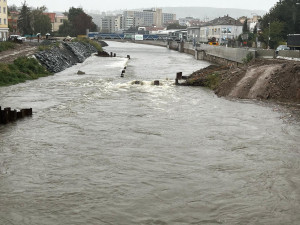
x,y
281,20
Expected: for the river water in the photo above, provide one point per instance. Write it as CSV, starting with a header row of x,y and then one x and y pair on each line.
x,y
100,149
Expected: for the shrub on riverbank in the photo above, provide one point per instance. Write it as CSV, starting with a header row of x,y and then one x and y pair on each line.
x,y
6,45
21,70
96,44
47,45
206,77
212,80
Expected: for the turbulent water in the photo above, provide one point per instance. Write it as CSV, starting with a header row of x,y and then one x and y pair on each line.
x,y
100,149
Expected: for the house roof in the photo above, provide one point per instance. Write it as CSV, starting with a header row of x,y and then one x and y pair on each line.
x,y
225,20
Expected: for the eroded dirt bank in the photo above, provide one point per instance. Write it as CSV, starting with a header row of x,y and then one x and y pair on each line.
x,y
262,79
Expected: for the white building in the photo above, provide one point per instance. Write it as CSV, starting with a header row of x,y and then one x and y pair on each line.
x,y
3,21
151,17
108,24
222,29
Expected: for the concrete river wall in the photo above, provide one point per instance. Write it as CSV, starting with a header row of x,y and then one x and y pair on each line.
x,y
221,54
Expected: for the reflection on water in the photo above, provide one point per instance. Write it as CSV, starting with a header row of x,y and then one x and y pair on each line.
x,y
101,149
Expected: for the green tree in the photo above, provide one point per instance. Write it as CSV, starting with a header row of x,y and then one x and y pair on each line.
x,y
284,18
82,22
78,23
41,22
175,26
245,26
11,8
66,29
74,12
255,29
25,20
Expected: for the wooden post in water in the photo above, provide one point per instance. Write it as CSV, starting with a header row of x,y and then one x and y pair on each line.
x,y
7,115
156,82
178,77
122,73
1,116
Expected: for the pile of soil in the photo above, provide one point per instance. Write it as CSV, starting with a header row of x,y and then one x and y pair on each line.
x,y
262,79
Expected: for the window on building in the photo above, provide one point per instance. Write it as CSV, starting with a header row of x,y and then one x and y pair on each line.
x,y
4,21
0,21
4,9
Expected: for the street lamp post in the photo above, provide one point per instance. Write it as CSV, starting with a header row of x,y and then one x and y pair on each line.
x,y
269,35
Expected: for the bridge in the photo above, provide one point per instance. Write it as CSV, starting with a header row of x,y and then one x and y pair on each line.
x,y
97,35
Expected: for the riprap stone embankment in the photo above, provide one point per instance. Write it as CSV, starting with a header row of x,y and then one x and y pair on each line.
x,y
65,55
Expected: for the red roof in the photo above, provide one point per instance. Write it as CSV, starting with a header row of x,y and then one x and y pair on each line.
x,y
51,16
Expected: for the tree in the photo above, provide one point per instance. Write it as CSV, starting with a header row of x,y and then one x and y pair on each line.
x,y
255,29
175,26
12,8
41,22
78,23
276,34
133,29
66,29
82,22
284,18
245,26
25,20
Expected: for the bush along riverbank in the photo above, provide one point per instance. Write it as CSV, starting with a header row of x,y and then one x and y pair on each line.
x,y
6,45
261,79
20,70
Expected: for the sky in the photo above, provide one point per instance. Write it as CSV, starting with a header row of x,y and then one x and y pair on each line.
x,y
107,5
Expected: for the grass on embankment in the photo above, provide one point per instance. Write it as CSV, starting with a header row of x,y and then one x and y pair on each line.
x,y
6,45
20,70
96,44
207,77
209,80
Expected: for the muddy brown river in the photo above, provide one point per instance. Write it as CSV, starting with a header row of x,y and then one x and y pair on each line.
x,y
101,149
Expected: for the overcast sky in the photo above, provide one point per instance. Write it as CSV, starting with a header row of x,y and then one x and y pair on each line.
x,y
105,5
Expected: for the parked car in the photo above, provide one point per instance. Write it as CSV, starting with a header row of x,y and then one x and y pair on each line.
x,y
17,38
281,47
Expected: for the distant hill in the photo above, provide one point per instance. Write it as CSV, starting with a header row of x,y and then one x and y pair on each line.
x,y
210,13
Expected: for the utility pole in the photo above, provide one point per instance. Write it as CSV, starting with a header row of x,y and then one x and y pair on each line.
x,y
269,35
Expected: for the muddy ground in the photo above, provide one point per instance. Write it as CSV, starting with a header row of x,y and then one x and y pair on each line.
x,y
272,79
24,49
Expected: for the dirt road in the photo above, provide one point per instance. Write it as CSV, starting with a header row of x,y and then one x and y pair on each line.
x,y
25,49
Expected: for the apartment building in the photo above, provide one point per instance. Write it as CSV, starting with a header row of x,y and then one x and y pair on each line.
x,y
168,17
3,21
58,20
119,23
13,22
222,29
52,19
149,17
108,24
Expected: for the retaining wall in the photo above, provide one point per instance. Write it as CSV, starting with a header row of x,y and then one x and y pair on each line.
x,y
226,55
68,54
265,53
289,54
